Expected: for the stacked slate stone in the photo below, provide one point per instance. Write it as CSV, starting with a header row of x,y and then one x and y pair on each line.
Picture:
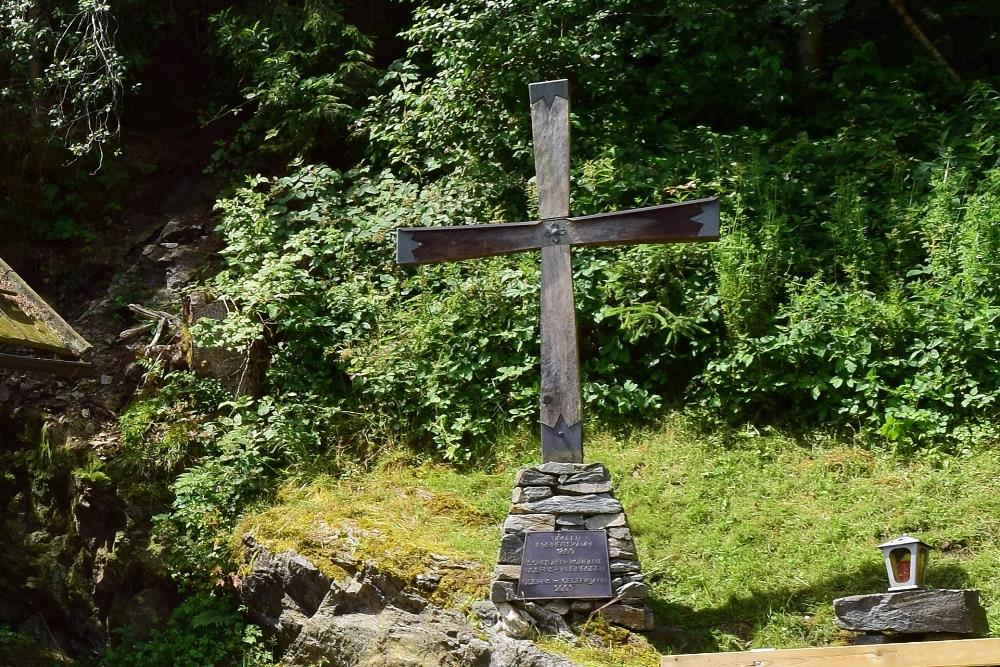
x,y
559,497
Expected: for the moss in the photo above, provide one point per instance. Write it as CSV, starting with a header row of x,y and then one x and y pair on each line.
x,y
601,644
402,529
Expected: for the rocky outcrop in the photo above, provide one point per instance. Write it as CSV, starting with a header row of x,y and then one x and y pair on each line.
x,y
371,618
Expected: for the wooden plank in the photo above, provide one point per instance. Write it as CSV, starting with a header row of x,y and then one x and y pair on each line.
x,y
561,413
670,223
69,369
18,328
953,653
430,245
41,315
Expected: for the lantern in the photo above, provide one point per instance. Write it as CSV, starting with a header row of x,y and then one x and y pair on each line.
x,y
905,562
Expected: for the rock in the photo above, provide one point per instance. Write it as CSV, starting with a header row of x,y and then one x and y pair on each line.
x,y
526,494
556,468
356,596
514,622
511,548
632,590
620,533
531,477
572,520
621,549
590,504
584,488
549,621
529,522
240,371
957,611
392,637
507,652
486,612
410,602
507,572
179,231
305,584
601,521
634,618
558,606
595,475
625,566
502,591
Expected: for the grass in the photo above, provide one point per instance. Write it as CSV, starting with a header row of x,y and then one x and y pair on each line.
x,y
745,538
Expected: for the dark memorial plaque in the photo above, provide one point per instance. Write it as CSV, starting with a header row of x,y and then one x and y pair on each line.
x,y
566,564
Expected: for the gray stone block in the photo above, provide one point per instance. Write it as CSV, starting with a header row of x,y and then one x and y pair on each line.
x,y
624,566
620,533
531,477
601,521
519,523
632,617
632,590
502,591
570,520
584,488
594,475
591,504
511,548
556,468
507,572
527,494
956,611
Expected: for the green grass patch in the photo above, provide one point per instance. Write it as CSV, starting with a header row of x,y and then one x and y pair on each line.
x,y
745,538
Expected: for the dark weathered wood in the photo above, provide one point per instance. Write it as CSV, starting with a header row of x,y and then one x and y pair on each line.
x,y
27,320
670,223
561,411
70,369
691,221
430,245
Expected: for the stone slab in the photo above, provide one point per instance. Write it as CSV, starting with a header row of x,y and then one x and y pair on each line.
x,y
531,477
600,521
958,611
591,504
585,488
520,523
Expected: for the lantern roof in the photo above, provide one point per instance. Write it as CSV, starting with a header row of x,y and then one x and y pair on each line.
x,y
902,542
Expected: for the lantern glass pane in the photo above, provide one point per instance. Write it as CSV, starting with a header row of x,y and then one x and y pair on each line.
x,y
921,565
900,560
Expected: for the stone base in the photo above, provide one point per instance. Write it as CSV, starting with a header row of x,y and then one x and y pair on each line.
x,y
933,612
568,496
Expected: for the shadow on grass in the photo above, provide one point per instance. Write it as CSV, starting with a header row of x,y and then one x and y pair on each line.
x,y
682,629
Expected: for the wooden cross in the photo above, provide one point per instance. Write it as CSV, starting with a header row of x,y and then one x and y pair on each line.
x,y
561,414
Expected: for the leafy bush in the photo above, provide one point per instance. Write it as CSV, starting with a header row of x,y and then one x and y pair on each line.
x,y
203,630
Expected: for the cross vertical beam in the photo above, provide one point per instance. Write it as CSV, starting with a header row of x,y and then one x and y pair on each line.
x,y
561,411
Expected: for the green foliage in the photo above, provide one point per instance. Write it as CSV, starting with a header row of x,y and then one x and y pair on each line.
x,y
914,362
204,630
66,70
208,499
304,67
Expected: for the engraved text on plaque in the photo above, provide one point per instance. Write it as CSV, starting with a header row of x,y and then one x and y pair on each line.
x,y
565,564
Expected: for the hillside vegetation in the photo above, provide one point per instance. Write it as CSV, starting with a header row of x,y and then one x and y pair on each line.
x,y
855,291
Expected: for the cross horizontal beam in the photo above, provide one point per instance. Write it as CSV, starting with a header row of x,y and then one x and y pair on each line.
x,y
696,220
